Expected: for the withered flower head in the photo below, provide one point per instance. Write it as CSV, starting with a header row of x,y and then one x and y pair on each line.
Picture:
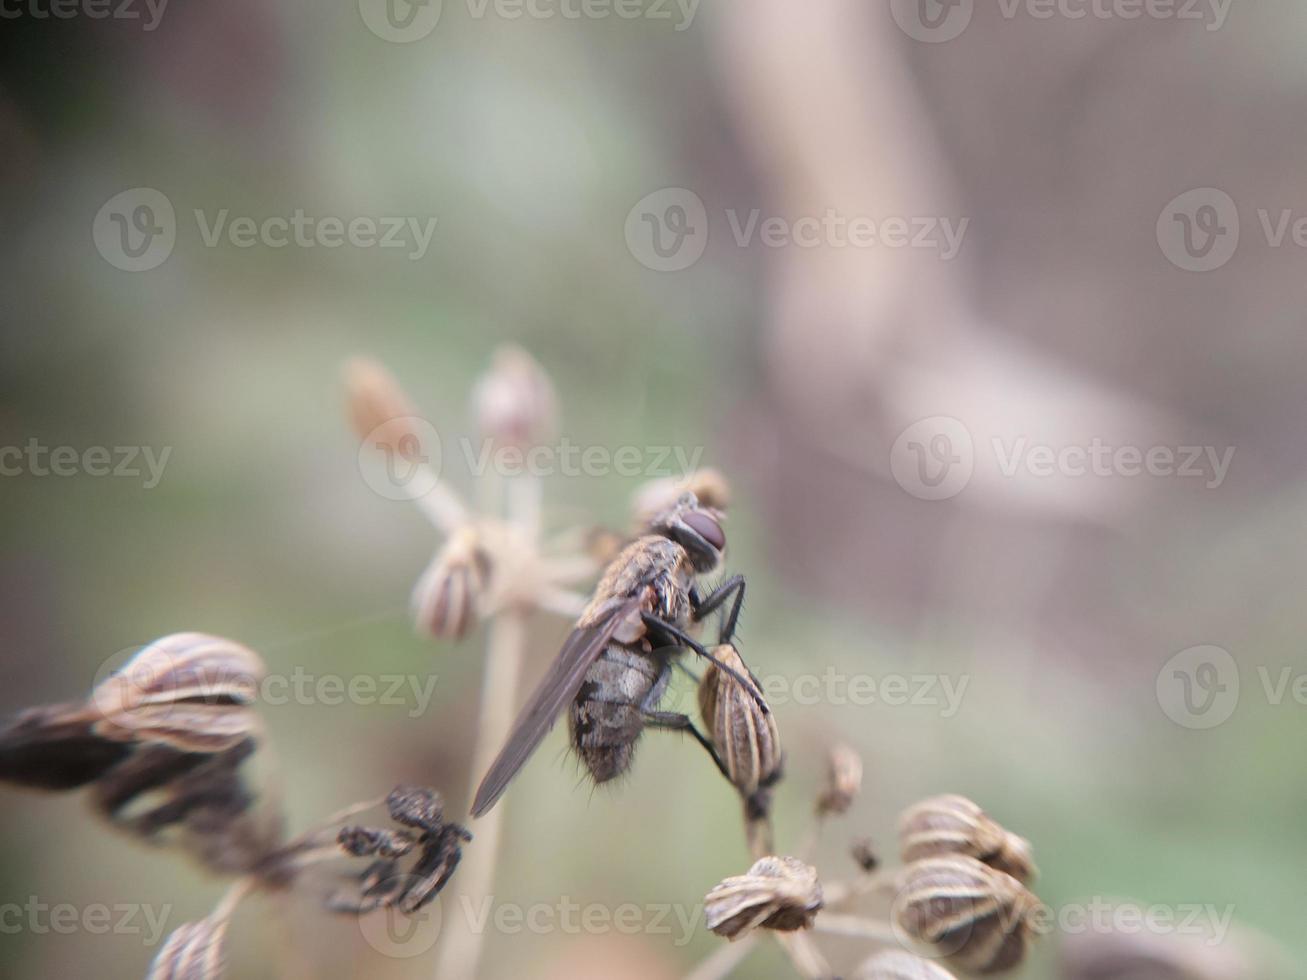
x,y
780,893
977,917
843,780
747,740
447,596
189,690
379,411
656,496
384,884
898,965
953,824
514,400
195,951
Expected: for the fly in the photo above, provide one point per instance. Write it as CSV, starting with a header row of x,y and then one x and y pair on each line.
x,y
615,665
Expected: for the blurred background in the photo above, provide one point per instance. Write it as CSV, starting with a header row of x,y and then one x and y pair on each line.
x,y
871,258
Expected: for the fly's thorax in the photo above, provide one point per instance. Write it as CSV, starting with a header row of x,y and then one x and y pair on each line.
x,y
656,569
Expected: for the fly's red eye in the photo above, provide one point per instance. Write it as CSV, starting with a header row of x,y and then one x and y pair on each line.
x,y
708,529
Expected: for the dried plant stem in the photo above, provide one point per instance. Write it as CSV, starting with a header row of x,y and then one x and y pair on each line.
x,y
840,892
441,504
857,927
798,946
461,946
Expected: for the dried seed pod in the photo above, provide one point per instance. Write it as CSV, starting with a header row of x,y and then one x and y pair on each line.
x,y
379,411
747,740
977,917
843,780
898,965
864,855
189,690
953,824
779,893
656,496
195,951
446,598
364,841
514,401
207,804
383,883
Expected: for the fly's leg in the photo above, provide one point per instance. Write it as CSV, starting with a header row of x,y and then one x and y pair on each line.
x,y
674,722
706,605
683,638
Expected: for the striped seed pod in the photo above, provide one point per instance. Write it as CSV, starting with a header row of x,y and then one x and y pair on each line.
x,y
447,596
747,740
195,951
953,824
979,918
780,893
897,965
188,690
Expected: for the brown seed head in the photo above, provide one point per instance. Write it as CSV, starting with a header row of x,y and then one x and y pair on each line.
x,y
746,738
514,400
379,410
898,965
780,893
189,690
446,598
843,780
977,917
954,825
655,496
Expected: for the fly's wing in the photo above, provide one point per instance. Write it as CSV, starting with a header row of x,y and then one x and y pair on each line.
x,y
559,686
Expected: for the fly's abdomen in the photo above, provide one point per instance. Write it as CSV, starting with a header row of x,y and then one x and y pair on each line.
x,y
606,717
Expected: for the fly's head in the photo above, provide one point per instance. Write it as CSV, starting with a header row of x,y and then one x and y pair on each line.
x,y
695,528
